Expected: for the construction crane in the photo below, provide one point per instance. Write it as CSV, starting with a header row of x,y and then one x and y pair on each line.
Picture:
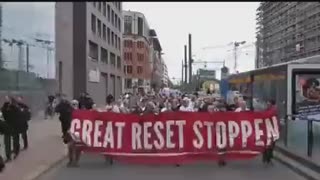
x,y
44,44
236,46
208,62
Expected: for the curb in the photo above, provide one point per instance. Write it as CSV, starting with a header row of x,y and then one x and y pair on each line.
x,y
296,167
46,169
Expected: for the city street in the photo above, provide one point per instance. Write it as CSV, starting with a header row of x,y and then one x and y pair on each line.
x,y
94,168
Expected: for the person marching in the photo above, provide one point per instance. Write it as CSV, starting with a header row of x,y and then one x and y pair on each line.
x,y
111,106
64,109
25,116
268,153
10,112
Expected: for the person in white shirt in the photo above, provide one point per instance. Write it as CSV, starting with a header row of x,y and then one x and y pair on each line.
x,y
242,106
111,105
185,106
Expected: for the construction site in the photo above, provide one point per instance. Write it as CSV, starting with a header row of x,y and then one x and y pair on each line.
x,y
287,31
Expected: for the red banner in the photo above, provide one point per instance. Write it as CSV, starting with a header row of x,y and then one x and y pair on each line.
x,y
175,137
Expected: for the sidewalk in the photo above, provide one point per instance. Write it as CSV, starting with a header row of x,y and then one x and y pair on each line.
x,y
45,150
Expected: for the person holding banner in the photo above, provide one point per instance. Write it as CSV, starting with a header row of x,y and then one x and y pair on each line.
x,y
268,153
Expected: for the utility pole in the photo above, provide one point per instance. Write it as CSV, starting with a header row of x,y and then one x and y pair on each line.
x,y
185,65
190,59
27,54
20,55
182,74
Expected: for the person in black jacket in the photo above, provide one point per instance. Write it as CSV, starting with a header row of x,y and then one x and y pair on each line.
x,y
85,101
25,116
11,113
64,109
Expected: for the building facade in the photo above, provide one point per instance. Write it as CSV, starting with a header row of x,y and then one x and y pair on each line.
x,y
157,61
287,31
88,49
136,50
165,77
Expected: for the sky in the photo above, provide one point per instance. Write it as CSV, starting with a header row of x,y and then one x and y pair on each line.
x,y
211,24
26,21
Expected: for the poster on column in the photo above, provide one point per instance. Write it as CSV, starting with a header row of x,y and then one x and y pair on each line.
x,y
307,96
175,137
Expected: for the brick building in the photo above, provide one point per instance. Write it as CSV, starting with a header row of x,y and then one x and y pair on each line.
x,y
141,52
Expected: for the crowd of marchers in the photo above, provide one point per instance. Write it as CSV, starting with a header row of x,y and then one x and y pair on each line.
x,y
15,115
142,103
136,103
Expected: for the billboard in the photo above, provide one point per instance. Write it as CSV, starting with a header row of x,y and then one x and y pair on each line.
x,y
307,97
207,74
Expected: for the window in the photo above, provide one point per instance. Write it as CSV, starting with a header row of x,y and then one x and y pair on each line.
x,y
93,50
108,12
128,25
112,17
119,24
104,9
116,40
128,43
99,6
140,26
104,55
128,56
93,23
99,28
139,69
119,43
119,6
116,20
108,35
112,38
128,83
124,69
104,32
140,44
140,57
113,59
118,62
129,69
94,4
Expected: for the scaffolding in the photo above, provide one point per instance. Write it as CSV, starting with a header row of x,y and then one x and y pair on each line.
x,y
287,31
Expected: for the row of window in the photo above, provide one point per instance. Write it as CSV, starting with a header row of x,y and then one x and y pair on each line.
x,y
129,44
115,61
104,32
128,69
108,12
128,21
128,56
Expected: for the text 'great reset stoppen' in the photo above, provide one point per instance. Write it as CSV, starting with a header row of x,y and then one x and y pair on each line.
x,y
203,135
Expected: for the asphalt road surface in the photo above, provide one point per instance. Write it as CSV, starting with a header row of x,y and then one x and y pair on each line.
x,y
95,168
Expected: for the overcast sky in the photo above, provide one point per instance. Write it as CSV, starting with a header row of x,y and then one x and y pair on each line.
x,y
210,23
26,21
